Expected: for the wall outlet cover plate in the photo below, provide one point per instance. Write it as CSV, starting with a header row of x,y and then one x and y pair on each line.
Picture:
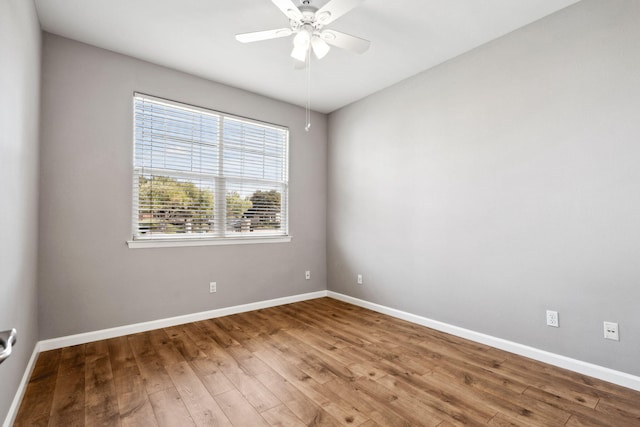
x,y
552,319
611,331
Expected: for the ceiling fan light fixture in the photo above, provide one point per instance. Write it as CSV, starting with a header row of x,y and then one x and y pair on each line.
x,y
301,43
299,53
303,38
320,47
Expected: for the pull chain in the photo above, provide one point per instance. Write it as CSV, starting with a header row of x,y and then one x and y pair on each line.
x,y
308,107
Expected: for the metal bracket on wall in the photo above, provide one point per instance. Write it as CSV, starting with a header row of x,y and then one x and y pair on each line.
x,y
7,341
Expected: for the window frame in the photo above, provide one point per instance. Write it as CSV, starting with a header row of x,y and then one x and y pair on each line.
x,y
220,235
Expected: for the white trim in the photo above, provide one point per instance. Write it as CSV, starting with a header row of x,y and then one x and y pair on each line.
x,y
170,243
22,388
606,374
119,331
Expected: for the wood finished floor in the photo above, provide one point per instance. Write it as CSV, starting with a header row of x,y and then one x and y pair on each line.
x,y
320,362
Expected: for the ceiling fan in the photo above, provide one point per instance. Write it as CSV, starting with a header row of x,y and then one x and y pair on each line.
x,y
307,23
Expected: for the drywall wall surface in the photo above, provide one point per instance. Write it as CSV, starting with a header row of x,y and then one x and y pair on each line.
x,y
89,278
500,184
19,112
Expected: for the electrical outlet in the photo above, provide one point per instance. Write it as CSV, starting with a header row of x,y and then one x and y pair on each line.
x,y
611,331
307,275
359,279
212,287
552,319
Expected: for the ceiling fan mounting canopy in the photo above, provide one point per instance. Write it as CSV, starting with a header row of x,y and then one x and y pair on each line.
x,y
307,23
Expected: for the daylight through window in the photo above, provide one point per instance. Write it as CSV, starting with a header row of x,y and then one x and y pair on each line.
x,y
200,174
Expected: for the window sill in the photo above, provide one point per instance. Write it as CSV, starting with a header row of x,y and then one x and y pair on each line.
x,y
170,243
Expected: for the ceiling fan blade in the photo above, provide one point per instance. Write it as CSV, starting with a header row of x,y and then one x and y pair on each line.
x,y
334,10
263,35
288,8
345,41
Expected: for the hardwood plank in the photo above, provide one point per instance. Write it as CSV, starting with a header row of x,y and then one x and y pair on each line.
x,y
164,348
256,393
68,397
239,410
578,421
518,406
216,333
402,358
38,398
372,361
432,394
247,361
275,319
349,391
200,333
560,381
201,405
133,402
249,387
36,403
244,333
620,408
317,321
318,353
302,357
565,387
217,383
502,420
345,414
101,401
72,360
184,344
286,313
412,410
496,391
281,416
482,378
169,408
123,362
580,413
149,363
46,365
211,376
304,408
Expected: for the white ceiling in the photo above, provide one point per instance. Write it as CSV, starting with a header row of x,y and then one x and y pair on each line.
x,y
197,37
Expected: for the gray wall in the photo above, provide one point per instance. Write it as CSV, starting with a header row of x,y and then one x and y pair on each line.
x,y
89,279
19,110
500,184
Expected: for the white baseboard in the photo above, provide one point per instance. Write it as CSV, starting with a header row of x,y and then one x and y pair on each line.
x,y
596,371
52,344
15,405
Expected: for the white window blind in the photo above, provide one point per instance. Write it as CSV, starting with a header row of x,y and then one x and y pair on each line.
x,y
201,174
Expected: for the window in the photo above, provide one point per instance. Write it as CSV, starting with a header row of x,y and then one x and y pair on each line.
x,y
200,175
